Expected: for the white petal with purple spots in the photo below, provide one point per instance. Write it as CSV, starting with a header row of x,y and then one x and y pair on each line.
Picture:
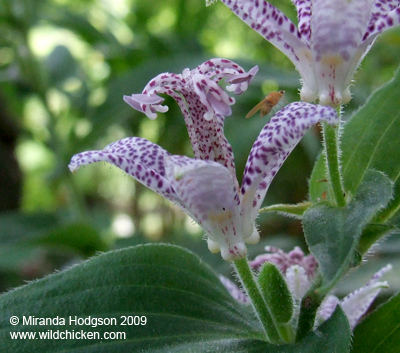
x,y
138,157
275,142
240,82
391,19
303,15
356,304
148,104
380,9
208,190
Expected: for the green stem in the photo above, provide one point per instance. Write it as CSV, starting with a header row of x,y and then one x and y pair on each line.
x,y
332,154
308,311
245,274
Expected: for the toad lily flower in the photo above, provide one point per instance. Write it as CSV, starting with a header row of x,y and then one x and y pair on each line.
x,y
329,43
206,187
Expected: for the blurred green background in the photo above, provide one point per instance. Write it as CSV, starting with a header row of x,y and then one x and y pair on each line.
x,y
64,67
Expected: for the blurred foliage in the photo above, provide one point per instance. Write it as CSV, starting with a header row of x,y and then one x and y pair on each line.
x,y
64,67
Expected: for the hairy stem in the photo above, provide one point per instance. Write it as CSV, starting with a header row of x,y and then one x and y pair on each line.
x,y
308,311
332,155
249,283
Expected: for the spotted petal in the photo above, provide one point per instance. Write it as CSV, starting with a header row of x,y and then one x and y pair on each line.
x,y
208,191
219,68
304,14
276,28
385,15
275,142
356,304
384,22
138,157
240,82
148,104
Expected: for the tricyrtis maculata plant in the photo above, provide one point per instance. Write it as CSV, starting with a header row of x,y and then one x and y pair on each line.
x,y
291,294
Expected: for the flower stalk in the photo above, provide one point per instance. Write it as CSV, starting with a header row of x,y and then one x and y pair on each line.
x,y
308,312
332,156
252,289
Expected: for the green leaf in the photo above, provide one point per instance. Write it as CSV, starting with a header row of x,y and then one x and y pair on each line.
x,y
296,211
332,233
380,331
276,293
370,141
